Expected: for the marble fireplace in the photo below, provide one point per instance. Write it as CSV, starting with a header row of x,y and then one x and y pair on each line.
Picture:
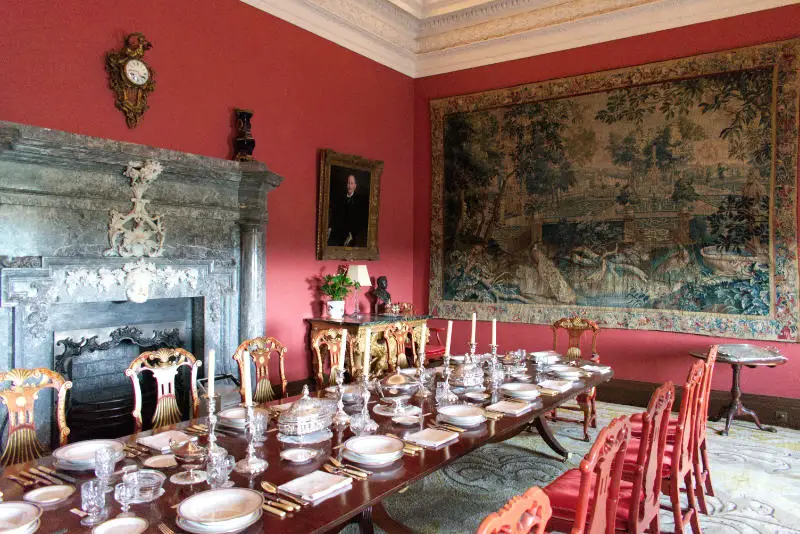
x,y
70,301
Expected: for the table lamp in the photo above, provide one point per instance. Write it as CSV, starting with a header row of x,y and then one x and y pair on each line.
x,y
360,275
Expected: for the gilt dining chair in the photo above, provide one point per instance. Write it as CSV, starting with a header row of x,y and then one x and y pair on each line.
x,y
523,514
329,343
19,389
575,328
163,365
397,338
584,500
259,350
640,502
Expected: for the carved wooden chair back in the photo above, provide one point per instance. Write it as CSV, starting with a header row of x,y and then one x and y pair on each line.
x,y
329,342
701,415
260,350
397,337
522,514
646,492
682,457
601,472
164,365
19,389
576,327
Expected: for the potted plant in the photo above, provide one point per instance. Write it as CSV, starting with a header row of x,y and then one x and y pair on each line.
x,y
337,286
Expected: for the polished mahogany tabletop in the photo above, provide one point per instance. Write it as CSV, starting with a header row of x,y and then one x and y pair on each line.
x,y
356,503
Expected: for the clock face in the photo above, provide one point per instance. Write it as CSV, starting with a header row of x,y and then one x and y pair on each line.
x,y
137,72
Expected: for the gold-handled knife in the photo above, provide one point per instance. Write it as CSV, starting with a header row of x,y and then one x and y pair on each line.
x,y
344,471
276,503
341,465
273,511
38,472
272,488
62,476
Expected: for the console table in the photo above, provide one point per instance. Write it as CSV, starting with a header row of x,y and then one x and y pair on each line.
x,y
356,326
737,355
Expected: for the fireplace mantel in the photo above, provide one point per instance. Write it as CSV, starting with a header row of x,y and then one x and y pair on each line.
x,y
56,192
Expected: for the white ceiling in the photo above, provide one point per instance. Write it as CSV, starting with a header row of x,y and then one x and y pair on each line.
x,y
425,37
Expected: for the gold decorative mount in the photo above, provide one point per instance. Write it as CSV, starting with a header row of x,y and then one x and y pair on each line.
x,y
131,99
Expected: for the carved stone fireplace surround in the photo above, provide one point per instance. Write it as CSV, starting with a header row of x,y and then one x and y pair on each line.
x,y
56,192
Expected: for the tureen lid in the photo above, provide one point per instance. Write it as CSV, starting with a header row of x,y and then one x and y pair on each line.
x,y
397,380
307,407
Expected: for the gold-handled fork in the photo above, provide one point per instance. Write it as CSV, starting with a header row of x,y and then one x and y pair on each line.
x,y
340,465
164,529
344,471
272,488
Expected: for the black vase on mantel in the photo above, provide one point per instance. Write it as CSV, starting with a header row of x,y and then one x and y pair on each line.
x,y
244,144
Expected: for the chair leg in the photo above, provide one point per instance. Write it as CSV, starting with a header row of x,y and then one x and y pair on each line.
x,y
594,412
654,527
709,488
698,483
675,499
587,418
692,511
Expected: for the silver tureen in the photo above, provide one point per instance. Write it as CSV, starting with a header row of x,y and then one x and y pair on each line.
x,y
307,415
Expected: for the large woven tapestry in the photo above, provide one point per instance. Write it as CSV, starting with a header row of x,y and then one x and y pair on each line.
x,y
655,197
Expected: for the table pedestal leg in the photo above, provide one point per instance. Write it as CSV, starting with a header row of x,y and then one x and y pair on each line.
x,y
547,435
736,408
364,520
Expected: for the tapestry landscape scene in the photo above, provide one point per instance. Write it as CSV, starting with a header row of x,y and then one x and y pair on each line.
x,y
656,197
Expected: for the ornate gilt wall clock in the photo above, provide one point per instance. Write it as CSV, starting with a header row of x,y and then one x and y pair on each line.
x,y
130,77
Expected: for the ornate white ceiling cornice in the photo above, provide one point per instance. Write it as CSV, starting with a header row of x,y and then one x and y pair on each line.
x,y
426,37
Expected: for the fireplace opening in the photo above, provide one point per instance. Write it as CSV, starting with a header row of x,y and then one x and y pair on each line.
x,y
95,356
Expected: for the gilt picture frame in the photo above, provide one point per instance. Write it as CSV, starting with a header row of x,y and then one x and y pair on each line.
x,y
656,197
348,205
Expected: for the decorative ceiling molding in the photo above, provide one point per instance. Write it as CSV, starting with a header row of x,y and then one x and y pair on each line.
x,y
426,37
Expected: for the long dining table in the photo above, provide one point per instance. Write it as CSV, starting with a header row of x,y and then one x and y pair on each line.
x,y
360,504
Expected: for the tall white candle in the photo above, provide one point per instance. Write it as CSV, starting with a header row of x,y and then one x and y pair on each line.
x,y
248,392
449,337
494,331
342,352
423,339
367,351
472,338
211,361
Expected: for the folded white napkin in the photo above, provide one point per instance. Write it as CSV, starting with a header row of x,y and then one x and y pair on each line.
x,y
431,437
557,386
160,441
515,408
597,368
317,485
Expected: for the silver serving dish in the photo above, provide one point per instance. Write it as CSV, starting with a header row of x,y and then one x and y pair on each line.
x,y
466,373
307,415
396,385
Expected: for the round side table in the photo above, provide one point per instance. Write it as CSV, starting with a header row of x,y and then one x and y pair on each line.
x,y
738,355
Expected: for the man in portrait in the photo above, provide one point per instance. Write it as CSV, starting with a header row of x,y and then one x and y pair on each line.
x,y
348,218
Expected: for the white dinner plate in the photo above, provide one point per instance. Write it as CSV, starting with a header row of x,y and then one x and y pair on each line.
x,y
204,528
298,455
521,390
374,447
17,516
477,396
122,525
82,452
49,495
371,462
161,461
405,420
460,411
220,505
280,407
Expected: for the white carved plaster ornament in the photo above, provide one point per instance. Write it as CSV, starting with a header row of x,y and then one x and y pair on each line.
x,y
137,233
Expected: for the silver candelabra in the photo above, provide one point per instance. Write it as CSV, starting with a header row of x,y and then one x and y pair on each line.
x,y
251,464
340,418
212,424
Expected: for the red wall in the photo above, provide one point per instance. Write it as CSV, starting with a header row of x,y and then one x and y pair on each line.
x,y
635,355
209,57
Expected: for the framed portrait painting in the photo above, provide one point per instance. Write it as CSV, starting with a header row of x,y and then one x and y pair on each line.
x,y
347,212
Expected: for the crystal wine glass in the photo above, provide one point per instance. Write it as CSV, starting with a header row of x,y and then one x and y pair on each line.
x,y
93,502
104,461
124,495
259,428
218,470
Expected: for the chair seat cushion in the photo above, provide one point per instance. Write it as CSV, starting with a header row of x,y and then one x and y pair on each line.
x,y
636,427
632,456
563,493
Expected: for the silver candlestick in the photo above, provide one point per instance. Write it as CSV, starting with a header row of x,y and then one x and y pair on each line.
x,y
445,396
251,464
212,424
496,373
472,348
340,418
422,391
362,422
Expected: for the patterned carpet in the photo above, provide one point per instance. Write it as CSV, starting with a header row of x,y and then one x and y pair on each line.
x,y
756,476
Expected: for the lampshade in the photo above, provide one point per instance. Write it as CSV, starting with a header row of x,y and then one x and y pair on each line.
x,y
358,273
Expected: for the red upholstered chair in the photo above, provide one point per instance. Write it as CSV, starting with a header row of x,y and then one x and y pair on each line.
x,y
700,465
584,500
435,351
644,463
524,513
678,464
576,327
